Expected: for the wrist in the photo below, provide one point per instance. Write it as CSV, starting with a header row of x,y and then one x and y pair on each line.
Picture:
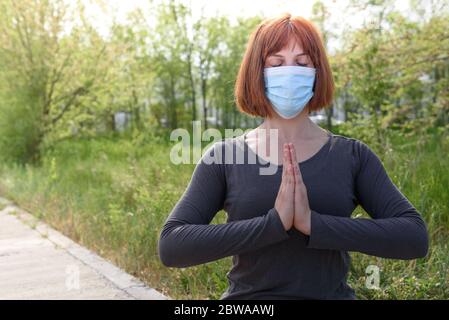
x,y
307,223
304,225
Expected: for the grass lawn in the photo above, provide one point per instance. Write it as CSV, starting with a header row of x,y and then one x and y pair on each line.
x,y
112,194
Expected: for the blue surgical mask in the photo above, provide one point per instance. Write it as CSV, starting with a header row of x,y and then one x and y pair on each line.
x,y
289,88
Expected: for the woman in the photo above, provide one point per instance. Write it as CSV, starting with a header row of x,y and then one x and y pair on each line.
x,y
290,232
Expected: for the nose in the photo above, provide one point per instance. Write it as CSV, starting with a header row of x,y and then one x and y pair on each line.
x,y
289,61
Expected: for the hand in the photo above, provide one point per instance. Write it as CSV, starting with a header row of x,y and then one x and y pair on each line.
x,y
302,217
285,199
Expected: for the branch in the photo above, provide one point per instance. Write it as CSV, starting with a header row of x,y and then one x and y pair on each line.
x,y
57,76
78,92
26,44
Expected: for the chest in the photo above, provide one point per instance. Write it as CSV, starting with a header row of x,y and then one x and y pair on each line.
x,y
274,152
330,189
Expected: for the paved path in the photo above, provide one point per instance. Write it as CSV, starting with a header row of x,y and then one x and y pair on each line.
x,y
38,262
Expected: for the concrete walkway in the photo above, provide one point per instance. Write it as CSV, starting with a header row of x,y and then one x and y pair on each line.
x,y
38,262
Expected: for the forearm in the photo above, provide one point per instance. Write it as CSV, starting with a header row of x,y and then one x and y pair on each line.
x,y
182,244
403,237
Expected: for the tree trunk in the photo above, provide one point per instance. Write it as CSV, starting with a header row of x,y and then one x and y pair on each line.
x,y
203,91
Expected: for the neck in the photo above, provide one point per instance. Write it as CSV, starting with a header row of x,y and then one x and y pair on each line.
x,y
298,128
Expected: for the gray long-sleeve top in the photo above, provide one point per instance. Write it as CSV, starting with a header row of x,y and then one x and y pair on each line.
x,y
271,263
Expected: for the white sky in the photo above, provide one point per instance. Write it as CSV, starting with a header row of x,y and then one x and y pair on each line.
x,y
225,7
340,18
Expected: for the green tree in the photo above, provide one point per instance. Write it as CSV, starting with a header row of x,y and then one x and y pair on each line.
x,y
46,69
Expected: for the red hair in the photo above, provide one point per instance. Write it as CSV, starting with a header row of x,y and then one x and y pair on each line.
x,y
271,36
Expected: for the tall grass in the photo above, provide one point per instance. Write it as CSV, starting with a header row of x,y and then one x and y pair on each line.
x,y
113,195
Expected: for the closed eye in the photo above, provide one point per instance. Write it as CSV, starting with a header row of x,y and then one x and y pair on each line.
x,y
299,64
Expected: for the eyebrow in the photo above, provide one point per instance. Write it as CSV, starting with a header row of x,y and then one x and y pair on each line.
x,y
281,56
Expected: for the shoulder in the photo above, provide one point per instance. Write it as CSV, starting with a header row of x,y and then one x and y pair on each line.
x,y
219,156
355,146
223,151
358,151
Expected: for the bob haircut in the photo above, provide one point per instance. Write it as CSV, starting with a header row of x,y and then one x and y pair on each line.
x,y
271,36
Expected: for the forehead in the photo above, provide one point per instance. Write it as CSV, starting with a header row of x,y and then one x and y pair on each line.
x,y
292,46
285,40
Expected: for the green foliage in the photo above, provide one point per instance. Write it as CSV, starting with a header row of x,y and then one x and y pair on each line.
x,y
63,158
49,79
113,195
166,67
19,129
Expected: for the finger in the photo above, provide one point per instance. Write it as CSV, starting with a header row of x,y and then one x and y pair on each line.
x,y
297,170
290,178
285,162
289,153
291,168
284,170
294,161
293,153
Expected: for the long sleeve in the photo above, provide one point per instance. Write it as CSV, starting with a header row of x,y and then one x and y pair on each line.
x,y
396,229
188,239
